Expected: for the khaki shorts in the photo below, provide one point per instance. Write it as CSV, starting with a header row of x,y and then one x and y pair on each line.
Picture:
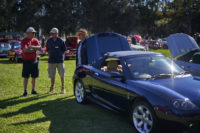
x,y
52,69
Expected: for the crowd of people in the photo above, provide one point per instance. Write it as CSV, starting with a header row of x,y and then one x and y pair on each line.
x,y
56,49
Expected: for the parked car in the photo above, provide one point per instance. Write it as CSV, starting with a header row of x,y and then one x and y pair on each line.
x,y
42,52
71,44
4,48
153,44
137,47
163,43
15,53
185,52
146,85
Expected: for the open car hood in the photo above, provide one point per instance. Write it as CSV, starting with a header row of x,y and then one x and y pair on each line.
x,y
180,44
102,43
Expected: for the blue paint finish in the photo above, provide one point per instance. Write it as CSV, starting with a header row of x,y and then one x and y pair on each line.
x,y
183,49
102,43
120,95
180,44
193,68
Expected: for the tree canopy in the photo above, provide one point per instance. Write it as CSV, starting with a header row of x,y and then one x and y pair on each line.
x,y
145,17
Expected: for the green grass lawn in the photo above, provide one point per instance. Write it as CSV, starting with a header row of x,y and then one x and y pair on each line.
x,y
163,51
56,113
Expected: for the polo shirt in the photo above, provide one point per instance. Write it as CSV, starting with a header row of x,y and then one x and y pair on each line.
x,y
56,50
25,43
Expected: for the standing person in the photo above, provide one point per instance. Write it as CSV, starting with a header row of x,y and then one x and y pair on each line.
x,y
43,41
29,46
56,49
81,54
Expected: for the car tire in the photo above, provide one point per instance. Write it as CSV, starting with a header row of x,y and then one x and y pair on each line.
x,y
143,118
79,92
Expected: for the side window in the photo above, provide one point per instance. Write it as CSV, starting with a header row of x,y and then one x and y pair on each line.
x,y
111,65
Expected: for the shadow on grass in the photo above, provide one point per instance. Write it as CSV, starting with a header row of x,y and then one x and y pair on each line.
x,y
65,115
6,61
44,59
16,100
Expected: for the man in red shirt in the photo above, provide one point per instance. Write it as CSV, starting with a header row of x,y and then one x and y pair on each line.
x,y
30,45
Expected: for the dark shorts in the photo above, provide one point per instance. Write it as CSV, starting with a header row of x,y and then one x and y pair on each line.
x,y
30,68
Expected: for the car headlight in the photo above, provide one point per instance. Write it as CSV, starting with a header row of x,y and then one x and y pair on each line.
x,y
183,104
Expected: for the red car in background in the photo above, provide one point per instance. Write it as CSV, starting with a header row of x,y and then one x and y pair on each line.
x,y
15,53
42,52
152,44
71,44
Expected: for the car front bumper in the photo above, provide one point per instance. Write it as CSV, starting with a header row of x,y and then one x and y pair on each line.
x,y
189,120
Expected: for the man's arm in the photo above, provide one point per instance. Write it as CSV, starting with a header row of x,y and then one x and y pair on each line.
x,y
35,47
28,50
25,48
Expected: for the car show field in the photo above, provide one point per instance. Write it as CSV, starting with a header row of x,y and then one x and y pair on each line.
x,y
54,113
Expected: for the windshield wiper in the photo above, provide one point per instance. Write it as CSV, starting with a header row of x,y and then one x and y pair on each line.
x,y
162,76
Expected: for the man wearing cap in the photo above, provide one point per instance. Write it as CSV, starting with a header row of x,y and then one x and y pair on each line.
x,y
56,49
29,46
81,55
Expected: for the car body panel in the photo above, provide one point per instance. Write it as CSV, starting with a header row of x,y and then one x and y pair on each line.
x,y
4,48
137,47
180,44
102,43
193,68
183,49
15,52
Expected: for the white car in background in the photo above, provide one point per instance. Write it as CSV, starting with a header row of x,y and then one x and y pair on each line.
x,y
137,47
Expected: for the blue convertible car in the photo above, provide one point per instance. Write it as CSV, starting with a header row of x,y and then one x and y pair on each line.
x,y
146,85
185,52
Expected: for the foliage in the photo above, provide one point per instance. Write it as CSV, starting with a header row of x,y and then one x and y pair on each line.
x,y
146,17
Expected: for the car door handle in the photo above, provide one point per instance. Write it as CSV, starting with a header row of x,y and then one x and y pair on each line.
x,y
97,74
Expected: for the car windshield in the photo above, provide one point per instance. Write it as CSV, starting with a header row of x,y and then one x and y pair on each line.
x,y
15,45
152,67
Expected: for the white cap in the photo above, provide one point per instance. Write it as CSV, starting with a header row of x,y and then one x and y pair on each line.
x,y
54,30
31,29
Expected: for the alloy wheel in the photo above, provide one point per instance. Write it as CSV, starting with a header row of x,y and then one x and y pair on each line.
x,y
79,92
142,119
